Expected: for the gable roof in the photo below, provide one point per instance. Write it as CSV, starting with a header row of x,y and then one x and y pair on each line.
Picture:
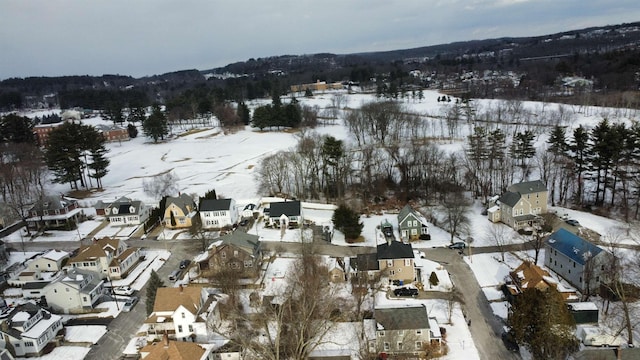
x,y
572,246
96,250
394,250
365,262
529,275
173,350
215,204
55,255
528,187
184,202
170,298
406,211
52,203
247,242
403,318
288,208
510,198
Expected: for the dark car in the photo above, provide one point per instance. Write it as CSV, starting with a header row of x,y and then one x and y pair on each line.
x,y
572,222
244,222
457,245
405,292
184,263
509,342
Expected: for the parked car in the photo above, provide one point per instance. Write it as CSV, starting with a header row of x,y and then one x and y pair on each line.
x,y
184,263
130,304
457,245
123,290
403,291
174,275
572,222
244,222
510,342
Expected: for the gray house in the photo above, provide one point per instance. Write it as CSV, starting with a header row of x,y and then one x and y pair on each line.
x,y
403,331
578,261
412,225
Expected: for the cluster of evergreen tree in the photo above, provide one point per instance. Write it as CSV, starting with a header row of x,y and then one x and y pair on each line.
x,y
155,126
277,115
10,100
348,222
16,129
75,151
102,99
51,118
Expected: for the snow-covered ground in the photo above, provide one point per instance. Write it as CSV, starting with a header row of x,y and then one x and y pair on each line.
x,y
211,159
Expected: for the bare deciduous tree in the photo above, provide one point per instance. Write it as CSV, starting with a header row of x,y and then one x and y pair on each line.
x,y
500,236
164,184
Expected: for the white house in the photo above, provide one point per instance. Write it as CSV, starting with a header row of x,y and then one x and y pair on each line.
x,y
125,211
184,313
28,329
218,213
108,257
76,292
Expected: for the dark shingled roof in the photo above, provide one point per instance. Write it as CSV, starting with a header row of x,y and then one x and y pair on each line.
x,y
215,204
289,208
395,250
510,198
404,318
365,262
528,187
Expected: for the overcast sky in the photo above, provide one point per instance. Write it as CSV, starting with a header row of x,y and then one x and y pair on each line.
x,y
147,37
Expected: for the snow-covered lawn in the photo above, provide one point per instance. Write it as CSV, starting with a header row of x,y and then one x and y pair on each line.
x,y
65,352
84,333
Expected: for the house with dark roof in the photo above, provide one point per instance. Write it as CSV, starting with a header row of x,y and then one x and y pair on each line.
x,y
412,225
28,329
108,257
179,212
396,260
404,331
365,267
218,213
581,263
77,291
287,213
520,205
237,250
184,313
124,211
55,212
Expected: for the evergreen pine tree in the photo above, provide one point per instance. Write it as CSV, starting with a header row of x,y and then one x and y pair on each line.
x,y
155,126
152,288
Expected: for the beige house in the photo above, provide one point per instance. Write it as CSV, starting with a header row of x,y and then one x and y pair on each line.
x,y
77,291
405,331
338,268
108,257
520,205
183,313
183,209
396,260
52,260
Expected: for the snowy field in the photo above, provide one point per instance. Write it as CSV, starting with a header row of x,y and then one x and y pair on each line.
x,y
210,159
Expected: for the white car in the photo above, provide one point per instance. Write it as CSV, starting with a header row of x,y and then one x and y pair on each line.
x,y
123,290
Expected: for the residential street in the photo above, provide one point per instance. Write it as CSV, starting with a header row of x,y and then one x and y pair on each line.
x,y
485,326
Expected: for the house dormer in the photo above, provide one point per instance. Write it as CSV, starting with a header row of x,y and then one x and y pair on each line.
x,y
114,211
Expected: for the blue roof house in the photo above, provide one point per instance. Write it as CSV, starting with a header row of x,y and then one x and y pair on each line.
x,y
578,261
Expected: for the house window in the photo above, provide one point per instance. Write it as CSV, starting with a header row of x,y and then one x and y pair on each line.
x,y
386,346
28,343
182,314
418,345
389,263
391,272
235,252
179,328
574,264
399,345
418,332
84,298
234,265
380,333
223,255
248,264
190,328
407,262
